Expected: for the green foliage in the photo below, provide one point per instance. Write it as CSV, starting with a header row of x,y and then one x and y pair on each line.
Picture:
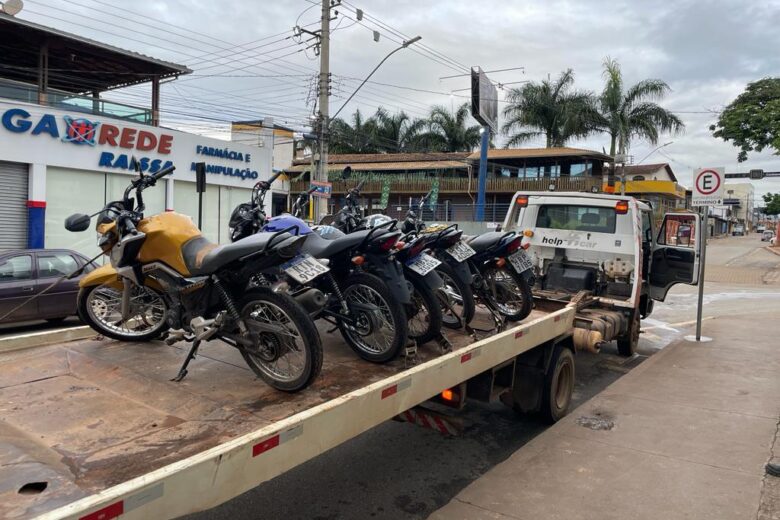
x,y
552,109
752,121
631,113
441,131
772,203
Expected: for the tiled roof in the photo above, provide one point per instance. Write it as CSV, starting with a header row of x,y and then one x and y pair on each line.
x,y
527,153
301,166
357,158
649,169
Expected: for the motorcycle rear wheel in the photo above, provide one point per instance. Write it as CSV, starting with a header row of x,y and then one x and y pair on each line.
x,y
385,343
425,314
297,347
99,306
508,291
459,298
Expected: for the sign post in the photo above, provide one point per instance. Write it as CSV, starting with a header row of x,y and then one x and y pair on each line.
x,y
707,191
200,186
484,108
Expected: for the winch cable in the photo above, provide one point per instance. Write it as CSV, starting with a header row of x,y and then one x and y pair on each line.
x,y
70,276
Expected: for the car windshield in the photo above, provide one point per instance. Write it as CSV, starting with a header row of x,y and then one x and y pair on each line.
x,y
576,218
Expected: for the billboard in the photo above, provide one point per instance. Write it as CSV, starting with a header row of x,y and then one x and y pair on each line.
x,y
484,99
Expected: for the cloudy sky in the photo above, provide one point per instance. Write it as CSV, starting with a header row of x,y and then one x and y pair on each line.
x,y
247,64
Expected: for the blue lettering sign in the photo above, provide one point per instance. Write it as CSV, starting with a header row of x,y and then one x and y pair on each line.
x,y
18,126
47,124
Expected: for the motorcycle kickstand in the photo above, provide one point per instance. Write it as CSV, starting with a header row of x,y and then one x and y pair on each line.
x,y
444,344
183,370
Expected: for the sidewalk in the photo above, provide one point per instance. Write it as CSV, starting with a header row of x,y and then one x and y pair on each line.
x,y
684,435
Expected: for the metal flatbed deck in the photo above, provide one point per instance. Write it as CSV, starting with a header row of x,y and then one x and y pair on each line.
x,y
94,429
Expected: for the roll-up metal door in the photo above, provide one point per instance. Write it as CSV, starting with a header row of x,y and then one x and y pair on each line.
x,y
13,205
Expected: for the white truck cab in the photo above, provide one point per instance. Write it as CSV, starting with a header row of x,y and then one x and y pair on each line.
x,y
605,250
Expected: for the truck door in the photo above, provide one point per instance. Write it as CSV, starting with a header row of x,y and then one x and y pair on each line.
x,y
675,257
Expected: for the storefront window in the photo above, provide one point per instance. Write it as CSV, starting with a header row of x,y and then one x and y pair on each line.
x,y
185,200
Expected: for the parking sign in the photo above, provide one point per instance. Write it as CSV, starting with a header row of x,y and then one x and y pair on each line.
x,y
708,187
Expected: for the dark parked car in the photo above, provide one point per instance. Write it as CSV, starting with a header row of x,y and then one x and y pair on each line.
x,y
26,272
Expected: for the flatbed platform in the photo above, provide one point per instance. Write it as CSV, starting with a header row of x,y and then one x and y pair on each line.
x,y
94,429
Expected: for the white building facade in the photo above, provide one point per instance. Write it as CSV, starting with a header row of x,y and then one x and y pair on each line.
x,y
54,163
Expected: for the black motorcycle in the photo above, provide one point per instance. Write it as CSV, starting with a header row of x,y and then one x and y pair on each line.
x,y
363,291
419,268
493,267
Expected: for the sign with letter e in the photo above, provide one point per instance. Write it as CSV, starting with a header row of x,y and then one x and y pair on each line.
x,y
708,187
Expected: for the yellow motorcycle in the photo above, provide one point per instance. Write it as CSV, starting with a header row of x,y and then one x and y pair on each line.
x,y
163,274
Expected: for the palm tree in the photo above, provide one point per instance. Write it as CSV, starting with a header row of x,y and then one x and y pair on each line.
x,y
549,108
449,131
632,113
396,132
354,138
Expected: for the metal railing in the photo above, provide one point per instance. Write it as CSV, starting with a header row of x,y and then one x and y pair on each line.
x,y
75,102
405,184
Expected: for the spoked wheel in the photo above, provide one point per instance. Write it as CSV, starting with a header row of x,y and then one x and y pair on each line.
x,y
425,314
508,291
458,299
287,353
100,307
379,328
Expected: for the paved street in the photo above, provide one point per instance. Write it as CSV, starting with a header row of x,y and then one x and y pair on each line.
x,y
401,471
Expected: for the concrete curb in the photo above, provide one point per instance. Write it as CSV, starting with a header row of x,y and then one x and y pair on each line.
x,y
39,339
775,250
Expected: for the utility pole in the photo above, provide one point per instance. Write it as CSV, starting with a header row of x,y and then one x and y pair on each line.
x,y
323,118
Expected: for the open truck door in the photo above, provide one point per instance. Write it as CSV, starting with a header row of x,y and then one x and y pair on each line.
x,y
675,257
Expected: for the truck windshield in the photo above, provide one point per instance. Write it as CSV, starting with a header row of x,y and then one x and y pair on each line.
x,y
576,218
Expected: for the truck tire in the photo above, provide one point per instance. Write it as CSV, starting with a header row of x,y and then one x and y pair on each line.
x,y
558,385
627,344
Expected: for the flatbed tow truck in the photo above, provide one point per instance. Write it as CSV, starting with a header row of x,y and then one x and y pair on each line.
x,y
94,430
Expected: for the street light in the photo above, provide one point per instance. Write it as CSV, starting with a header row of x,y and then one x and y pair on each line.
x,y
655,150
404,45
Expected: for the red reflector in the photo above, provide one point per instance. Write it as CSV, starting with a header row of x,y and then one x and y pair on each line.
x,y
557,318
465,357
107,513
526,245
387,392
266,445
519,334
621,208
522,200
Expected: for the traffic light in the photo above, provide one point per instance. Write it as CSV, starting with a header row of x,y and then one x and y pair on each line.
x,y
756,174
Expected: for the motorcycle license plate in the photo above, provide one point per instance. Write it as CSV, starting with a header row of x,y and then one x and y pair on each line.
x,y
304,268
461,251
520,261
422,264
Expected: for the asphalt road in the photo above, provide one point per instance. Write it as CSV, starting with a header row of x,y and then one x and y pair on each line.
x,y
400,471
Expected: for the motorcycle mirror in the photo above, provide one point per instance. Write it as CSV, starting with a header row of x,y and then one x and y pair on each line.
x,y
346,173
77,222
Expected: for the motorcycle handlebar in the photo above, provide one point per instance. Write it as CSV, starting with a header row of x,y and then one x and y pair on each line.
x,y
274,177
359,186
312,190
162,173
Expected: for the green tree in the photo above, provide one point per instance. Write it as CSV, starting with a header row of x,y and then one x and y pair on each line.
x,y
752,121
772,203
552,109
352,138
396,132
633,113
448,131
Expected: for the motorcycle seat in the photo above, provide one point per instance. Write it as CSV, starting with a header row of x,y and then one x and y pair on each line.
x,y
204,257
319,247
481,242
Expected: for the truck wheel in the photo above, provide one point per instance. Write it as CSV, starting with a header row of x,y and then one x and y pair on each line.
x,y
627,344
558,385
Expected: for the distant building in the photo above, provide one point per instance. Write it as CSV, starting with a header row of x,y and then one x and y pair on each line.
x,y
656,183
408,176
738,197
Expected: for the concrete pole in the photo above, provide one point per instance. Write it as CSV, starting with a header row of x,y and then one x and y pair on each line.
x,y
322,169
482,181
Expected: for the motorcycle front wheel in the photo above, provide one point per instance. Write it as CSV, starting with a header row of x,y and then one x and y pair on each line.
x,y
378,328
508,291
100,307
287,353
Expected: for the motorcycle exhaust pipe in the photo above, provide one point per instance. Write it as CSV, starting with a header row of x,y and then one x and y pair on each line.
x,y
313,300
